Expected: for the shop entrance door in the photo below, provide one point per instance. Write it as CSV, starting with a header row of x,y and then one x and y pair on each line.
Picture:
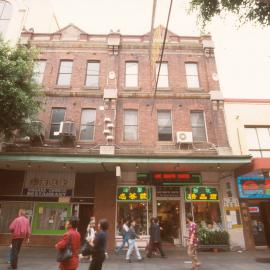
x,y
85,213
265,208
168,213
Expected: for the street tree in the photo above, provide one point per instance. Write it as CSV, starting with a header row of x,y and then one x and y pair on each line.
x,y
19,93
257,11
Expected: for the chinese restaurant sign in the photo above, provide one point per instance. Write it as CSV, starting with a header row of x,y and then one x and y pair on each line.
x,y
254,187
198,194
133,194
176,179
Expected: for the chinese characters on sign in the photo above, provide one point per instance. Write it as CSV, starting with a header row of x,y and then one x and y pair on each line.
x,y
254,187
176,179
136,194
201,194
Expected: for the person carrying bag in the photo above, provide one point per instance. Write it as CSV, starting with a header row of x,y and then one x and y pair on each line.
x,y
68,247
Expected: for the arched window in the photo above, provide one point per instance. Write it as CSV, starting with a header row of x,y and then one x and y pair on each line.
x,y
5,15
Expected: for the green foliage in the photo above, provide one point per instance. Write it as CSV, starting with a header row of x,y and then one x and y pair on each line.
x,y
257,11
18,90
207,237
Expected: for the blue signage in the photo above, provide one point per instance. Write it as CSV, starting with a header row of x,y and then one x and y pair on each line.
x,y
254,187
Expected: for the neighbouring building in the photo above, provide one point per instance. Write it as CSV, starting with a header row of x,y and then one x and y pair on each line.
x,y
106,144
248,127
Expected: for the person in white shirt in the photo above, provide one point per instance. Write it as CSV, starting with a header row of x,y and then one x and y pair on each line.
x,y
124,233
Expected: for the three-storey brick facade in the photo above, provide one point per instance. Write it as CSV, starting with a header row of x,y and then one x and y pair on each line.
x,y
116,142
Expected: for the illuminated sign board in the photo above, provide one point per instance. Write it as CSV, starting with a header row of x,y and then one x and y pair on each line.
x,y
254,187
176,179
133,194
202,193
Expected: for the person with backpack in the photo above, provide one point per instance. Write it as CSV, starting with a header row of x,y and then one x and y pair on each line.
x,y
20,230
124,233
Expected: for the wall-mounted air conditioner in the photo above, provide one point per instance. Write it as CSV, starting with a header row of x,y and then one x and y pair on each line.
x,y
67,128
184,137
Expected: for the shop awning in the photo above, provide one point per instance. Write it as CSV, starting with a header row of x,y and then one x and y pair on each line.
x,y
128,163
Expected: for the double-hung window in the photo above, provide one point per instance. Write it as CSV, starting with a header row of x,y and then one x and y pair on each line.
x,y
87,128
5,15
65,71
163,79
164,126
198,126
258,141
39,69
92,74
192,75
130,125
131,79
58,116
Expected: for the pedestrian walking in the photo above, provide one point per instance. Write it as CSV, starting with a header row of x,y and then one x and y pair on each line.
x,y
192,242
88,241
99,246
72,238
132,235
20,229
124,232
155,239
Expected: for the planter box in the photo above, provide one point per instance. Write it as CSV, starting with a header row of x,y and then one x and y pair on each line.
x,y
215,248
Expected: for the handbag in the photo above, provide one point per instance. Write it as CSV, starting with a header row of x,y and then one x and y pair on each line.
x,y
86,249
65,254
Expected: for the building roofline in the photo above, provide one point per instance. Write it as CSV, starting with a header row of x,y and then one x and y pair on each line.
x,y
246,100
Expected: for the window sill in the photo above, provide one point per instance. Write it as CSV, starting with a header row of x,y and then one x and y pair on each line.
x,y
91,88
131,88
165,143
62,87
164,89
195,89
130,142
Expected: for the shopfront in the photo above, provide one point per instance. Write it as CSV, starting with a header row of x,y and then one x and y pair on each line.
x,y
255,192
170,197
49,198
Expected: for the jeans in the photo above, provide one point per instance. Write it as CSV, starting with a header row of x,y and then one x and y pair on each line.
x,y
192,253
125,240
133,245
15,250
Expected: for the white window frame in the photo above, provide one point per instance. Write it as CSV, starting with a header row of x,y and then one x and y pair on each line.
x,y
131,74
192,75
64,73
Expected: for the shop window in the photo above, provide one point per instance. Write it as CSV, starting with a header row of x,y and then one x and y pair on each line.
x,y
88,121
130,211
192,75
92,74
206,214
39,69
50,218
164,126
258,141
9,211
5,15
163,80
198,126
65,72
130,125
131,79
58,116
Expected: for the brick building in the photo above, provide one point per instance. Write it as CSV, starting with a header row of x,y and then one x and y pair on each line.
x,y
110,147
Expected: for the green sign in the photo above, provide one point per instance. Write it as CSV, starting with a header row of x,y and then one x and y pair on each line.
x,y
201,193
133,194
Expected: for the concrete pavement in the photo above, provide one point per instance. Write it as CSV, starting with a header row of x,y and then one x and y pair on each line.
x,y
44,259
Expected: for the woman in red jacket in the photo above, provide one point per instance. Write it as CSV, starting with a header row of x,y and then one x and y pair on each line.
x,y
75,238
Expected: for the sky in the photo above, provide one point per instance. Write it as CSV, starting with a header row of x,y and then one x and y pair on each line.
x,y
242,52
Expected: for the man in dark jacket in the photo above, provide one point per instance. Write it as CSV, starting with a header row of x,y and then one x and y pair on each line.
x,y
155,239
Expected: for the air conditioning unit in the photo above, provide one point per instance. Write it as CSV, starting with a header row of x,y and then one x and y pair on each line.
x,y
110,138
106,131
67,128
184,137
107,120
110,125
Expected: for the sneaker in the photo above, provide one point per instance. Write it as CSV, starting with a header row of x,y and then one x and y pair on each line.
x,y
140,259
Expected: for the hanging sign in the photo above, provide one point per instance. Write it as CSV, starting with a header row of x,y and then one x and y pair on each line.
x,y
254,187
201,193
133,194
176,179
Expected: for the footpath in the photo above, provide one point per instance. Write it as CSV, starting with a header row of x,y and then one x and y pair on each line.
x,y
44,259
